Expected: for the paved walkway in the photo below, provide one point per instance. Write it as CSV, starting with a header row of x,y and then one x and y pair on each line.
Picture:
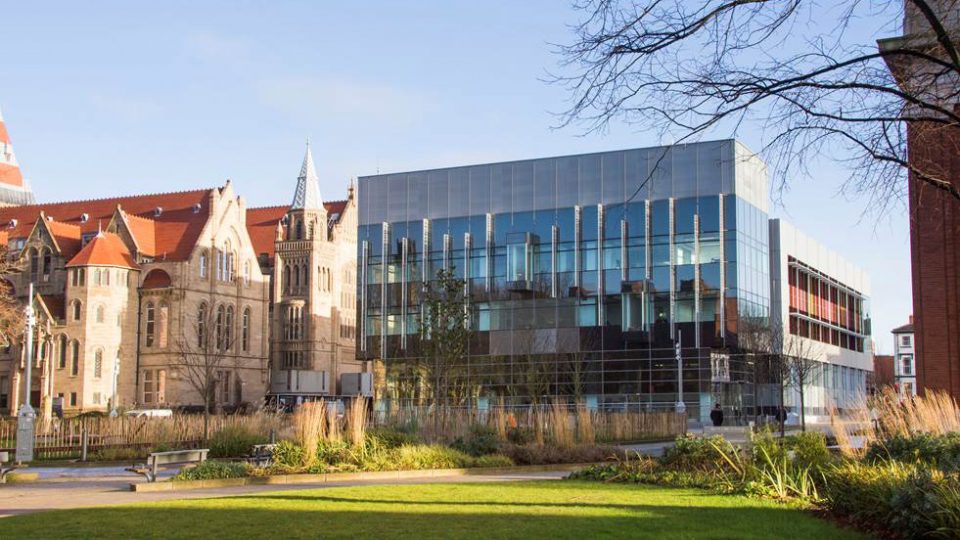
x,y
105,491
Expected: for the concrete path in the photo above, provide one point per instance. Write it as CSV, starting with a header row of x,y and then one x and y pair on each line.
x,y
106,491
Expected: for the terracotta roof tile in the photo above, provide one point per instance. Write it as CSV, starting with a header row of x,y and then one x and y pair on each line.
x,y
262,227
145,232
67,236
262,224
105,249
176,229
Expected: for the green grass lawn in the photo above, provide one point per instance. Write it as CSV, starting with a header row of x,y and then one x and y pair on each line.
x,y
547,509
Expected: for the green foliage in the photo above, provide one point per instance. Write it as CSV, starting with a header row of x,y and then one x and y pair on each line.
x,y
888,496
809,450
234,441
482,440
394,437
942,451
520,435
288,454
214,470
690,453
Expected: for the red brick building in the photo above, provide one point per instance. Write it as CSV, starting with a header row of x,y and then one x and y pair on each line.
x,y
934,149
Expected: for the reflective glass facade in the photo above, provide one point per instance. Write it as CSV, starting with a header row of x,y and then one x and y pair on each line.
x,y
583,273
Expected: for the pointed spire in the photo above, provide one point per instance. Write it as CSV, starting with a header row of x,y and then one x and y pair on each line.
x,y
9,169
307,196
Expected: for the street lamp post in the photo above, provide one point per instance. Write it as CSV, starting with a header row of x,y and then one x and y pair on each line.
x,y
680,406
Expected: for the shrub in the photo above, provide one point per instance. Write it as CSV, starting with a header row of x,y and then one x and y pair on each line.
x,y
288,454
697,453
809,450
942,451
213,470
481,440
234,441
430,457
393,437
520,435
902,499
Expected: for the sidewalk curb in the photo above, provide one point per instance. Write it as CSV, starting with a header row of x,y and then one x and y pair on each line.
x,y
287,479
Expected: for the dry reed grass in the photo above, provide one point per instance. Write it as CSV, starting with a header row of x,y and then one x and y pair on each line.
x,y
559,425
885,415
309,428
586,434
356,420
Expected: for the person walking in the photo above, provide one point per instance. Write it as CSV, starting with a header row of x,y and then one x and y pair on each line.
x,y
716,415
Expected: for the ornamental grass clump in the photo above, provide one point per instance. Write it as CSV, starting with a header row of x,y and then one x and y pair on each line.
x,y
586,434
309,429
357,422
558,418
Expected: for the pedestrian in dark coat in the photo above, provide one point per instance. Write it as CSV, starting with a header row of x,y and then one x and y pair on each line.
x,y
716,415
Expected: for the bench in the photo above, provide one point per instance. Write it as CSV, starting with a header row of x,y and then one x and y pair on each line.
x,y
176,457
5,467
261,455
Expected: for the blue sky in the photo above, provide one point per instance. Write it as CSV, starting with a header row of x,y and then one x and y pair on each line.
x,y
105,98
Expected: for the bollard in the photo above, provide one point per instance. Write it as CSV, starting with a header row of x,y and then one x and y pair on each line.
x,y
83,444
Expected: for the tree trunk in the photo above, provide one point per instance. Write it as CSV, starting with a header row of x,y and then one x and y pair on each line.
x,y
803,414
782,413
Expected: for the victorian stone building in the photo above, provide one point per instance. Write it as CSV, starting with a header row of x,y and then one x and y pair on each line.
x,y
310,249
130,291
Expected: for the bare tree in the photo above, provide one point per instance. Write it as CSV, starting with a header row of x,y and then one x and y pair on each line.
x,y
11,311
763,341
205,354
806,72
802,359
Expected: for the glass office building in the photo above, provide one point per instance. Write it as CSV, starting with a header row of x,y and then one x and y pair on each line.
x,y
583,274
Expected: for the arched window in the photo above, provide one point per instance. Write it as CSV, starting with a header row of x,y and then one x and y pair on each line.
x,y
231,265
62,360
77,308
220,265
219,327
96,277
246,272
150,324
98,364
46,265
101,313
299,234
202,326
296,276
83,277
286,278
245,330
203,264
228,329
106,277
75,358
